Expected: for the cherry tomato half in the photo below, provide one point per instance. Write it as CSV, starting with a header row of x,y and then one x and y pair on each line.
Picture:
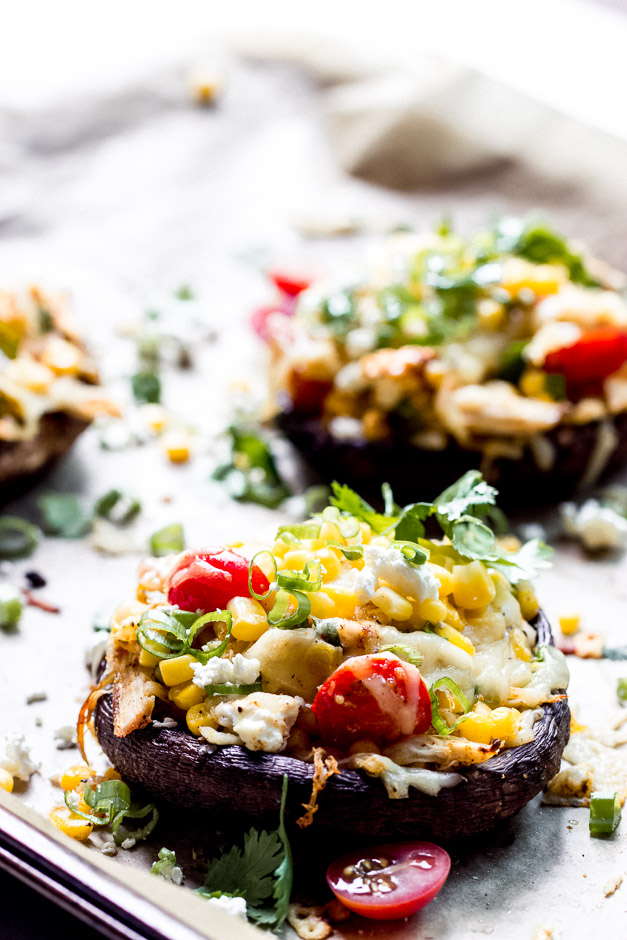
x,y
389,881
592,358
263,319
207,581
289,283
377,697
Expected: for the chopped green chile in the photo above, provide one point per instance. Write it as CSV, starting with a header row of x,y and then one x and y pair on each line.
x,y
18,538
404,652
168,540
117,507
605,812
110,803
438,723
621,690
226,688
279,616
310,579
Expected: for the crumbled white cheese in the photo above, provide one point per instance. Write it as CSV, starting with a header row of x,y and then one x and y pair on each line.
x,y
237,671
262,720
109,848
236,907
599,527
397,780
168,722
128,843
110,539
388,564
17,760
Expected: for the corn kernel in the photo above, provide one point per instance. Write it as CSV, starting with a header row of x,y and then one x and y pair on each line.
x,y
296,559
543,279
322,605
570,623
148,660
527,600
392,604
472,586
6,780
455,637
61,356
70,823
366,532
111,774
186,694
178,670
250,620
433,610
344,601
177,447
520,647
200,716
331,565
502,723
532,384
75,775
364,747
445,580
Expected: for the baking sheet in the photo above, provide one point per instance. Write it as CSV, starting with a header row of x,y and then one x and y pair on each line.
x,y
124,230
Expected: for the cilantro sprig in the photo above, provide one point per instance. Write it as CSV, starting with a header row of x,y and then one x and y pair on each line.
x,y
250,473
461,512
261,872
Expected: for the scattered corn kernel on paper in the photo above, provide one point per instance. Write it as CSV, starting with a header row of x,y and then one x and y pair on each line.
x,y
125,232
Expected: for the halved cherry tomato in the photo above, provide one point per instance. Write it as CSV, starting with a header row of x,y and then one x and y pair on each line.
x,y
207,581
288,283
389,881
592,358
378,697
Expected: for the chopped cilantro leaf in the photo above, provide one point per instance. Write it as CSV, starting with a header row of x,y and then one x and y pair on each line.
x,y
347,500
146,388
261,872
535,240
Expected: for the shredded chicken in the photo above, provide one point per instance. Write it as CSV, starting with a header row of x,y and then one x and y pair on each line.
x,y
133,692
494,408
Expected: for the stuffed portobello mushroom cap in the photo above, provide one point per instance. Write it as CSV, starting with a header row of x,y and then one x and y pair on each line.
x,y
176,767
504,351
22,462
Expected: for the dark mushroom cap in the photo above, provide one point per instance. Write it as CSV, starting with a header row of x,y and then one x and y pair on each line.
x,y
177,767
21,462
409,469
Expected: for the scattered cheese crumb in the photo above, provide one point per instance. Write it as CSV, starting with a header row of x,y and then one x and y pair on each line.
x,y
612,885
236,907
18,761
109,848
65,738
168,722
36,697
599,527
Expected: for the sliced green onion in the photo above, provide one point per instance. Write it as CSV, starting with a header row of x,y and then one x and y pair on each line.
x,y
389,508
253,593
169,632
63,515
352,552
349,527
118,507
413,553
621,690
18,538
331,514
407,653
225,616
168,540
146,388
306,530
605,812
279,617
438,723
10,605
288,538
310,579
226,688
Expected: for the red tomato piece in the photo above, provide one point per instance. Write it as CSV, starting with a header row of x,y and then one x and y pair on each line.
x,y
261,318
592,358
389,881
288,283
375,697
207,581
